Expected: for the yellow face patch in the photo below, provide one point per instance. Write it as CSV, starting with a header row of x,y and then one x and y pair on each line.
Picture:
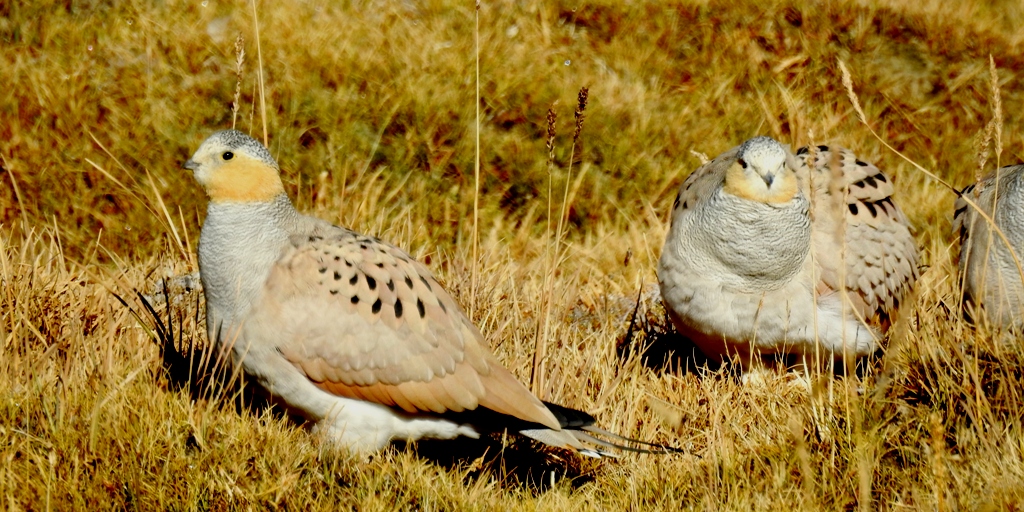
x,y
749,185
243,180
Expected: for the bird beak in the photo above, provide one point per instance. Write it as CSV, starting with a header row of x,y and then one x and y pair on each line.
x,y
191,165
768,179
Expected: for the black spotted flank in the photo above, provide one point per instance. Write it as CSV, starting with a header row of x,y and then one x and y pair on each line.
x,y
426,283
355,299
323,270
391,284
354,279
337,276
960,211
421,308
362,246
823,148
686,204
862,163
803,151
376,307
398,308
853,208
408,282
371,282
334,292
881,177
675,204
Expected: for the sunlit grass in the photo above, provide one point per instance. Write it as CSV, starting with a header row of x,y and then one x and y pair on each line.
x,y
370,111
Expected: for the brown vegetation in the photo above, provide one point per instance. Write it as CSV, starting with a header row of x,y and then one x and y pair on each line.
x,y
370,110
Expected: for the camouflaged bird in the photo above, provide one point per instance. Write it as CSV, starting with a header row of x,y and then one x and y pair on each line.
x,y
755,263
344,329
990,273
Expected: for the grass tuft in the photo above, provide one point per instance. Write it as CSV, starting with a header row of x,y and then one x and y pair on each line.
x,y
371,113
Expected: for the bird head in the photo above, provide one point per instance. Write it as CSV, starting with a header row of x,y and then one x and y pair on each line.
x,y
234,168
761,172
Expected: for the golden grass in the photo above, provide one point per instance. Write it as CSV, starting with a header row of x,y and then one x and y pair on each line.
x,y
370,110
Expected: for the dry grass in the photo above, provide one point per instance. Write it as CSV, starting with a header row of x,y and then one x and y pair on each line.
x,y
370,110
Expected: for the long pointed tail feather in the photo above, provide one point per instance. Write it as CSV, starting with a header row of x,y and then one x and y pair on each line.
x,y
579,431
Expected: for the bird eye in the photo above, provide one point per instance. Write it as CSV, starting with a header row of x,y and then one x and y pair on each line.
x,y
229,155
742,162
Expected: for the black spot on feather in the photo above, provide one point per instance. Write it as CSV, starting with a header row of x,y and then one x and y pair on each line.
x,y
421,308
371,282
887,205
853,208
376,307
871,209
398,308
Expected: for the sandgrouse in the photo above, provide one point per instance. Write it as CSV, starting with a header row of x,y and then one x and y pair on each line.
x,y
773,253
344,329
990,273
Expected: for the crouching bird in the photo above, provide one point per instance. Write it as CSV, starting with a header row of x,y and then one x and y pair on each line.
x,y
347,330
772,253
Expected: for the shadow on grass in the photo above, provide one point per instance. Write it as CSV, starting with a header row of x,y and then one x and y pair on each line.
x,y
515,461
187,361
651,336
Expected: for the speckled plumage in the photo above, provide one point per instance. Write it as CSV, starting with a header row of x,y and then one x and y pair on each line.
x,y
991,277
755,263
345,329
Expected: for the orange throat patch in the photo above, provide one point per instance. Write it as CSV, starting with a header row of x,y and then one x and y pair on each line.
x,y
244,181
782,190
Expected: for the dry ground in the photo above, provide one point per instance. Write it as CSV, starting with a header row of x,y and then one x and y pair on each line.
x,y
370,109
